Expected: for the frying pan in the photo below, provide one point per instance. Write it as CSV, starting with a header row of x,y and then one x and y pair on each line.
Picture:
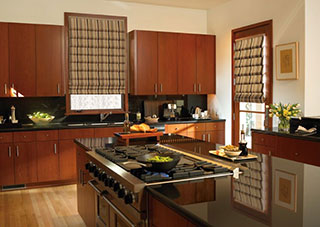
x,y
158,166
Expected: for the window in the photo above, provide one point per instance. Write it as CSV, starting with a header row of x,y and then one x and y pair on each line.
x,y
96,62
252,78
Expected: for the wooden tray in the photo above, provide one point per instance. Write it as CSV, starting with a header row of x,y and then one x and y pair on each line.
x,y
135,135
221,154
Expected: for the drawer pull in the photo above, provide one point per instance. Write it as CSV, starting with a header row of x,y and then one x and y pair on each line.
x,y
204,137
55,148
5,89
296,154
9,151
47,135
24,136
18,153
209,137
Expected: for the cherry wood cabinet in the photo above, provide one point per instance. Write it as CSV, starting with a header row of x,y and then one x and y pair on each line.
x,y
161,215
180,129
143,62
48,161
49,53
167,63
163,63
6,164
187,64
4,59
25,162
106,132
295,149
205,46
22,58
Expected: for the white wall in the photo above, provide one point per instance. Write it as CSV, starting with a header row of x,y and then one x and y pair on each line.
x,y
140,16
288,26
312,94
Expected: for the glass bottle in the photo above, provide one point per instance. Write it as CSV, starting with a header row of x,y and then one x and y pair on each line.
x,y
243,143
126,123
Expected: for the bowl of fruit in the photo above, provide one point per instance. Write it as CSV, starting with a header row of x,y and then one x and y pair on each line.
x,y
40,118
231,150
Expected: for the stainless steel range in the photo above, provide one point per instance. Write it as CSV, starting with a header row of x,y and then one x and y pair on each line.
x,y
120,179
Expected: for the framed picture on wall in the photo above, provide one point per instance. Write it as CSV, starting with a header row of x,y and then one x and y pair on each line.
x,y
287,61
285,191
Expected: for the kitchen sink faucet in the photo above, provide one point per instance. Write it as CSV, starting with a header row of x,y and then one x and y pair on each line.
x,y
104,116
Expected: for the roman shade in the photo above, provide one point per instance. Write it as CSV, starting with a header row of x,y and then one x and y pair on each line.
x,y
248,69
97,50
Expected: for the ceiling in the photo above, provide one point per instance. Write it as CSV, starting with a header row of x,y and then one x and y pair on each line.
x,y
193,4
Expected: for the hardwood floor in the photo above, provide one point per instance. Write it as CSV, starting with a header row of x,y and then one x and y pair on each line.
x,y
53,206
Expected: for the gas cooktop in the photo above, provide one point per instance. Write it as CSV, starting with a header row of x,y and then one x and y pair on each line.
x,y
187,168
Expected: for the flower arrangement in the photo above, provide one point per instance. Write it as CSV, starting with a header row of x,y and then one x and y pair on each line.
x,y
284,112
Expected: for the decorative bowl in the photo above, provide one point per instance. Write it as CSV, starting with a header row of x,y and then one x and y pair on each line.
x,y
232,153
151,120
41,121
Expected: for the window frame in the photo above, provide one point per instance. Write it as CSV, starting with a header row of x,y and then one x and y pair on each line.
x,y
244,32
66,61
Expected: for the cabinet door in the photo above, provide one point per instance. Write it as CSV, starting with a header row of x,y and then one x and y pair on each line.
x,y
206,64
67,161
143,62
6,164
48,161
49,60
25,163
4,59
106,132
167,63
187,64
180,129
22,58
216,137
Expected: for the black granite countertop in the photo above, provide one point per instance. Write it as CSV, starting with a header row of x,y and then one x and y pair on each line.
x,y
78,125
271,191
276,132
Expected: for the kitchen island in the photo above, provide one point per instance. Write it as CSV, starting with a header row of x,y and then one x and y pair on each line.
x,y
272,191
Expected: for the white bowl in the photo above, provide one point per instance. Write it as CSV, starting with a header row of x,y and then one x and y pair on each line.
x,y
232,153
41,121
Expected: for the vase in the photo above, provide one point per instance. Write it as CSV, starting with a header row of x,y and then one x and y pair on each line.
x,y
284,124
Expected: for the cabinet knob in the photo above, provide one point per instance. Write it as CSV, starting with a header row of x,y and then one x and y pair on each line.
x,y
24,136
1,137
296,154
47,135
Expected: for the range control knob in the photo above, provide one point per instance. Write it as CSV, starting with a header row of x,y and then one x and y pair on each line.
x,y
121,193
128,198
96,172
102,176
88,165
92,168
116,186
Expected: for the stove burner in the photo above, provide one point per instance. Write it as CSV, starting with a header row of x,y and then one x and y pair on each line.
x,y
111,155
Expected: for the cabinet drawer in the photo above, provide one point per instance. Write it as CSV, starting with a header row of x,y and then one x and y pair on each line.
x,y
66,134
176,128
47,135
24,136
214,126
265,140
263,149
196,127
6,137
106,132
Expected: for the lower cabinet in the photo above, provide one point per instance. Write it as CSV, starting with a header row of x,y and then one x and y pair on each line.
x,y
160,215
116,220
6,164
212,132
67,160
48,161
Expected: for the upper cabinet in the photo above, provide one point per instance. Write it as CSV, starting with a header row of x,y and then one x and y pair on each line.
x,y
167,63
143,62
49,52
31,59
163,63
22,58
4,59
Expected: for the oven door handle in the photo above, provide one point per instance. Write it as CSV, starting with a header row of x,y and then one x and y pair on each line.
x,y
91,183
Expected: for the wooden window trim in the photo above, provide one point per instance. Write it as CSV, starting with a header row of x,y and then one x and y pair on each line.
x,y
249,31
66,60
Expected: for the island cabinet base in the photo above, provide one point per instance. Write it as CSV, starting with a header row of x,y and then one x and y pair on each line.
x,y
300,150
159,215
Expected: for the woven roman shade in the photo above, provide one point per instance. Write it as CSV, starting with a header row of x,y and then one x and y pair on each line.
x,y
97,55
248,70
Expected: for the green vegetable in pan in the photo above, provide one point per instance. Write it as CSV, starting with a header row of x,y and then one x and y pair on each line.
x,y
158,158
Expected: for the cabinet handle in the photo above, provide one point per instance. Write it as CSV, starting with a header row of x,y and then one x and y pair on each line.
x,y
194,88
160,87
296,154
156,88
58,88
204,137
9,151
5,89
269,153
199,87
209,137
17,153
55,148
